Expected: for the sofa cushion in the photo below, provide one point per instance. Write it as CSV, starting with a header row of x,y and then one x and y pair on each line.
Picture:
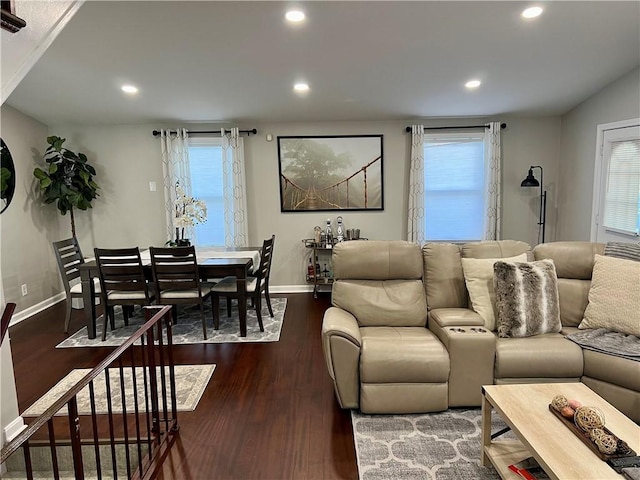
x,y
614,296
495,249
443,277
402,355
573,259
399,303
612,369
574,296
549,355
478,276
377,260
527,301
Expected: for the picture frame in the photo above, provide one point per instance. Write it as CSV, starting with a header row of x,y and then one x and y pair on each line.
x,y
8,19
330,172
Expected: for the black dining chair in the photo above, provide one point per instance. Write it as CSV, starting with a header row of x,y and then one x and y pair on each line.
x,y
255,286
177,281
122,282
69,257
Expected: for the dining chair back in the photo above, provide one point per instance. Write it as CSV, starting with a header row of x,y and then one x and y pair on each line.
x,y
255,286
69,258
177,281
264,272
122,281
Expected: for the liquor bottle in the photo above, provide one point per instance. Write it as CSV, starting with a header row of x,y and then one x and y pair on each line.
x,y
329,233
310,270
317,267
340,230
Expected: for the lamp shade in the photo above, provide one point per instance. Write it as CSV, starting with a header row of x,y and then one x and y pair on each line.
x,y
530,181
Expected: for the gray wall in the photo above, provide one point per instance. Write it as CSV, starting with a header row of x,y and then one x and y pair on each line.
x,y
618,101
127,158
28,226
25,249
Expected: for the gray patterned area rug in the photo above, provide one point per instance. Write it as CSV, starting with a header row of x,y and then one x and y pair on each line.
x,y
191,381
189,327
438,446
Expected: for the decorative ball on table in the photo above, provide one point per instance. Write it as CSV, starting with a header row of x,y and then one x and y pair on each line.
x,y
559,402
588,418
596,433
567,412
607,444
575,404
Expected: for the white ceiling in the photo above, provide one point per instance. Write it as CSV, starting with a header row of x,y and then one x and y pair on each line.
x,y
209,61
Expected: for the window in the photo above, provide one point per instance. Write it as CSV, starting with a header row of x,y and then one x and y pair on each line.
x,y
454,187
622,204
617,183
205,163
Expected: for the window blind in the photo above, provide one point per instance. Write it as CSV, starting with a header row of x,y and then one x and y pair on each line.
x,y
454,180
205,162
622,199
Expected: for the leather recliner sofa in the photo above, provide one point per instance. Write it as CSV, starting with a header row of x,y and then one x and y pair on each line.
x,y
401,336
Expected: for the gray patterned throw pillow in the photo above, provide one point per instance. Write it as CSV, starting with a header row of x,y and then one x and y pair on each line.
x,y
526,298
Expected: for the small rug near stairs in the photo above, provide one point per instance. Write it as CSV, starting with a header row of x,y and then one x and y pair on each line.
x,y
438,446
191,381
189,327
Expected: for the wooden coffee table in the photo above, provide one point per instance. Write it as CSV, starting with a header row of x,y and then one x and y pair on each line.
x,y
525,408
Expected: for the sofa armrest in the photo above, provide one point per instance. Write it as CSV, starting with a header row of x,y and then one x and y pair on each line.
x,y
341,343
472,350
340,322
455,317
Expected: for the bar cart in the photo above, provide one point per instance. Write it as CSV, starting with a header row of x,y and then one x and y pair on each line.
x,y
320,271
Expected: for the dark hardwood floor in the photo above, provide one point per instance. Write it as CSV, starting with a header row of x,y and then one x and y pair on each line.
x,y
269,411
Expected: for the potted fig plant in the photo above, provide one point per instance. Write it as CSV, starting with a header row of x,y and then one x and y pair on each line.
x,y
68,179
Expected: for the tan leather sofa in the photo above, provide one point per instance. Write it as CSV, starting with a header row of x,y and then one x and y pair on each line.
x,y
379,353
614,378
368,318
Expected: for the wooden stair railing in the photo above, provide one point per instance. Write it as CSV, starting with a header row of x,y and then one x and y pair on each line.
x,y
6,319
146,428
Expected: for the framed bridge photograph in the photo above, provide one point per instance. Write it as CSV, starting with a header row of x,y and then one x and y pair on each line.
x,y
326,173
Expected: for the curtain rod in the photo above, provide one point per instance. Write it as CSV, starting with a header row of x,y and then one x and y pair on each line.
x,y
156,133
502,126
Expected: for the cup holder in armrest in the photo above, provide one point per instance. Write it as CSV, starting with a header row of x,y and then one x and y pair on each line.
x,y
478,330
470,330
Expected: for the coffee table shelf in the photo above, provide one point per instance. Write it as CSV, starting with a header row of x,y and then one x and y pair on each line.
x,y
525,409
503,453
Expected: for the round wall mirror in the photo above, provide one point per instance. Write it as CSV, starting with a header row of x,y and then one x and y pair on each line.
x,y
7,177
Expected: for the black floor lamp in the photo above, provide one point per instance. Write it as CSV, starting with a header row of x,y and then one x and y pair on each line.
x,y
531,181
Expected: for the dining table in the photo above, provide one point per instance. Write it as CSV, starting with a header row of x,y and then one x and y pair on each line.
x,y
212,263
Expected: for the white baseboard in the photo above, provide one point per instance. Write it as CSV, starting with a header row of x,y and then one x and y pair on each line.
x,y
49,302
291,289
38,307
13,429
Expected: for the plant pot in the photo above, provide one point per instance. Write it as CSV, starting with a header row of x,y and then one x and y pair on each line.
x,y
183,242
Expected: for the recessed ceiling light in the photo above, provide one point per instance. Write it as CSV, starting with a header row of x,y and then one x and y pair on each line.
x,y
295,16
301,87
532,12
130,89
473,84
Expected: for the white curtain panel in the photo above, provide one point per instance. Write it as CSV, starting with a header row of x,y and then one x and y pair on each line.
x,y
415,221
175,169
493,198
235,196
